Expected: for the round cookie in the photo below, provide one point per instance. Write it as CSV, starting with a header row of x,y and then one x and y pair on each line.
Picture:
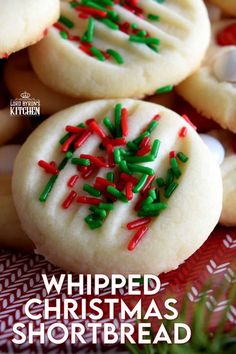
x,y
10,126
19,77
11,234
95,235
127,51
228,169
24,22
228,6
212,88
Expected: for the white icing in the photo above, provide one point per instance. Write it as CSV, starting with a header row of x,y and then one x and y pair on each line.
x,y
215,147
224,65
7,158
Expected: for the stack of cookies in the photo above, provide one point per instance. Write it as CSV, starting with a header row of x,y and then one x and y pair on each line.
x,y
114,180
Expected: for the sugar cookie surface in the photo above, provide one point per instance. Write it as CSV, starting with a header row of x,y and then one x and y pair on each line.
x,y
212,88
63,237
23,22
124,52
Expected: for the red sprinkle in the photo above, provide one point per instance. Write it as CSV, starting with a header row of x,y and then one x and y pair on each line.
x,y
65,147
183,132
72,181
129,190
102,183
137,237
48,167
82,139
145,142
138,222
69,199
148,183
189,121
124,121
128,178
96,128
91,11
114,142
145,150
172,154
98,161
87,172
157,117
89,200
75,130
111,162
227,36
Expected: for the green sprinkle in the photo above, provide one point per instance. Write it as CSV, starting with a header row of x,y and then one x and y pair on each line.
x,y
91,190
114,54
117,156
152,47
148,200
141,33
111,177
170,189
164,89
169,177
182,157
134,25
97,53
44,195
108,124
152,194
152,126
132,146
118,109
80,161
160,182
139,186
99,212
63,35
90,30
116,193
66,21
106,206
124,167
145,40
142,169
155,148
112,25
139,159
155,207
125,152
175,167
153,17
92,222
74,4
62,164
148,213
140,138
69,154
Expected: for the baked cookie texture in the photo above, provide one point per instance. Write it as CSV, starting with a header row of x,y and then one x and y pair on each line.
x,y
23,22
229,6
10,126
62,236
126,52
212,88
19,77
228,169
11,234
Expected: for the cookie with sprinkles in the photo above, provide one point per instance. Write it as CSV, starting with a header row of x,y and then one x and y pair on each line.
x,y
122,48
25,22
212,88
228,6
117,186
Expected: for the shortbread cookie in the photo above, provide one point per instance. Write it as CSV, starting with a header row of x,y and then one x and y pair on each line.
x,y
124,50
24,22
10,126
228,169
134,192
20,77
8,155
212,89
11,234
229,6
